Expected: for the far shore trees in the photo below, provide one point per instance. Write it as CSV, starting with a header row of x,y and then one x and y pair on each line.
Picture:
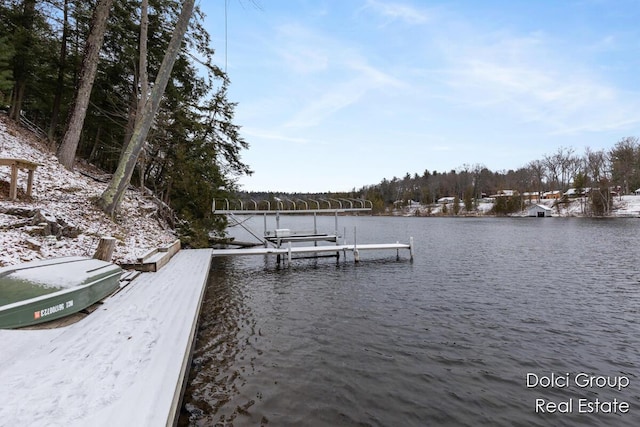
x,y
596,175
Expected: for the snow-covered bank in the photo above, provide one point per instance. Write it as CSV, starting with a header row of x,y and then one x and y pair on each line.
x,y
623,207
68,196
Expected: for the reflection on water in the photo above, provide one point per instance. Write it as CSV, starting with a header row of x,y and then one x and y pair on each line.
x,y
446,340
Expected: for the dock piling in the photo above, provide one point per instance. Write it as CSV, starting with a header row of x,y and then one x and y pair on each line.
x,y
411,248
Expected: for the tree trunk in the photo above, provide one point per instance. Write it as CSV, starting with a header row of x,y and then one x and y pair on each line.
x,y
144,81
143,77
17,95
96,144
22,63
67,150
60,81
112,196
140,88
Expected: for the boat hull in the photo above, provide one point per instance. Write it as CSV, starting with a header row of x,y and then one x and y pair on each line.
x,y
95,281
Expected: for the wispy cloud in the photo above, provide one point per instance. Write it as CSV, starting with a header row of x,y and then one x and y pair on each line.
x,y
273,136
334,74
525,76
360,79
374,76
398,11
334,99
301,50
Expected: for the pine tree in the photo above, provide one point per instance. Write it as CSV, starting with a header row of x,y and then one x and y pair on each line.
x,y
113,194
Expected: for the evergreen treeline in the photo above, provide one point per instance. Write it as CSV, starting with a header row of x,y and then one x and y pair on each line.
x,y
192,152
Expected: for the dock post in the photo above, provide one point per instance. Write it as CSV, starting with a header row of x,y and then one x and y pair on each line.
x,y
289,254
265,230
13,186
356,254
411,247
315,227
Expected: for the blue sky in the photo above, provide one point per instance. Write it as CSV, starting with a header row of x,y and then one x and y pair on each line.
x,y
338,94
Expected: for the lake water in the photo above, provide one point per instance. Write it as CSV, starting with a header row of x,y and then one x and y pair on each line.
x,y
469,333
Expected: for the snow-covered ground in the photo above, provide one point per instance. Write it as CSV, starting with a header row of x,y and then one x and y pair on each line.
x,y
68,196
122,365
626,206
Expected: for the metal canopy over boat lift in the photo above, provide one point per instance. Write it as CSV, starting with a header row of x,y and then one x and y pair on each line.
x,y
286,206
291,206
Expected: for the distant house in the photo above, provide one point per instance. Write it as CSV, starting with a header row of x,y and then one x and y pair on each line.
x,y
505,193
539,211
446,200
574,192
552,194
637,192
531,195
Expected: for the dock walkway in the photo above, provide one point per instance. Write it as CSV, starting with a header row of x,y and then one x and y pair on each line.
x,y
290,250
123,365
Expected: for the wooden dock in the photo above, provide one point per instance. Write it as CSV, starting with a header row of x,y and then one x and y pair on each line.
x,y
125,364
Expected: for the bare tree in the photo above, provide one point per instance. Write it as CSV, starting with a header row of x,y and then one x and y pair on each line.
x,y
568,166
112,196
67,150
552,169
597,167
140,89
623,163
538,172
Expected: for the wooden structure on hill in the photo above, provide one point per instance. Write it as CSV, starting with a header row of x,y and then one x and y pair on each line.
x,y
15,165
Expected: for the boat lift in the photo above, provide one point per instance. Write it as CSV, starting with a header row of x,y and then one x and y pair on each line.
x,y
280,241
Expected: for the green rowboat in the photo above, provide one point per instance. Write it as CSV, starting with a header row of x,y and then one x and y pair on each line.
x,y
41,291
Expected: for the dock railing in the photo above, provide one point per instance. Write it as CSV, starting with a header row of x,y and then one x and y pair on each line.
x,y
290,206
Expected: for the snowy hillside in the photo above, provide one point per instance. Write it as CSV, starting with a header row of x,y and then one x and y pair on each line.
x,y
64,198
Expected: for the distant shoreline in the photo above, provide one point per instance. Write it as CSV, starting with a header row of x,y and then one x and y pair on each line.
x,y
623,207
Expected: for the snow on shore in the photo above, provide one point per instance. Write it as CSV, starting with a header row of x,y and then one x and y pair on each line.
x,y
68,197
622,207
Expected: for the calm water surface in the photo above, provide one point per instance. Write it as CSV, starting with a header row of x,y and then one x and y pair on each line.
x,y
448,339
